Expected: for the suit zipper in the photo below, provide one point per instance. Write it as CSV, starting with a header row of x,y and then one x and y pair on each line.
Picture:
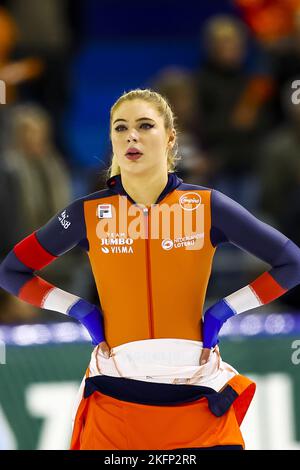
x,y
148,271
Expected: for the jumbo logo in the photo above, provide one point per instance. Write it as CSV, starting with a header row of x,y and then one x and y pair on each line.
x,y
190,201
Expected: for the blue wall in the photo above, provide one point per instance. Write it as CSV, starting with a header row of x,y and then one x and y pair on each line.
x,y
124,45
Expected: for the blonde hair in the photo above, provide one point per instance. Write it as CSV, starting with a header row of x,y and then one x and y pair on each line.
x,y
163,108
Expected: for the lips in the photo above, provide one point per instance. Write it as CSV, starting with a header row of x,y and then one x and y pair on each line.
x,y
133,153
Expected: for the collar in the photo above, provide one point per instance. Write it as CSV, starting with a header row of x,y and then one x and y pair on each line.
x,y
115,184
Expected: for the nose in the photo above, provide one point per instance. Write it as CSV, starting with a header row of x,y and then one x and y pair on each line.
x,y
132,136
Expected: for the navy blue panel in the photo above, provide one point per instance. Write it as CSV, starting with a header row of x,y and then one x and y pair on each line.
x,y
159,394
115,184
173,182
191,187
217,237
244,230
286,271
99,194
148,393
220,402
14,274
56,238
232,222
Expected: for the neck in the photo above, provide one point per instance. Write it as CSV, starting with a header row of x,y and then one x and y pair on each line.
x,y
144,189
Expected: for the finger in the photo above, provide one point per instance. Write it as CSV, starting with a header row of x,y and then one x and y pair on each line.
x,y
204,356
104,348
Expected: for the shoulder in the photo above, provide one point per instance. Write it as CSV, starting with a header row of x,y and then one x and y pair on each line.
x,y
190,187
89,197
218,199
76,207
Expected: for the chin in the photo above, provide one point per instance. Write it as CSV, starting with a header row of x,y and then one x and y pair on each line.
x,y
135,167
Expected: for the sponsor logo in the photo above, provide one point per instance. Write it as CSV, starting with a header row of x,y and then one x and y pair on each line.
x,y
116,243
104,211
190,201
162,222
180,242
63,219
167,244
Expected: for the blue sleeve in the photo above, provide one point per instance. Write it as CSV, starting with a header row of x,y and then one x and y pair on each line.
x,y
232,223
64,230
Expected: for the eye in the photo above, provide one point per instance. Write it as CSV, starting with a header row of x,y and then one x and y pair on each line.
x,y
147,124
144,125
120,126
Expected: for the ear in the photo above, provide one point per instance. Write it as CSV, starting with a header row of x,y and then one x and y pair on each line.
x,y
172,138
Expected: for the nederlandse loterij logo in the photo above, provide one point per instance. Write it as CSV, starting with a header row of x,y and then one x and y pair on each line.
x,y
190,201
63,219
2,92
167,244
188,241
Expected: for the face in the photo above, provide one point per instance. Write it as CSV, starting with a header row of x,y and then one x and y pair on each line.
x,y
137,125
33,137
228,50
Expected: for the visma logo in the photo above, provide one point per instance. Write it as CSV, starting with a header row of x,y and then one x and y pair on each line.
x,y
116,244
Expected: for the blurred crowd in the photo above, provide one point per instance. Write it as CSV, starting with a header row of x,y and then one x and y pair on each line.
x,y
238,131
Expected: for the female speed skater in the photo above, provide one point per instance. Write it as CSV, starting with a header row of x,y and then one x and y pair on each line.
x,y
156,379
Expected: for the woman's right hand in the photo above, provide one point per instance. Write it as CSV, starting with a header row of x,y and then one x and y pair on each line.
x,y
104,348
214,318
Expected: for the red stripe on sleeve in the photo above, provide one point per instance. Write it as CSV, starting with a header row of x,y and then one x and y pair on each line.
x,y
266,288
34,291
31,253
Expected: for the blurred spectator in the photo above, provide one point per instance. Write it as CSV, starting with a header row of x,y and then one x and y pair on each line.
x,y
44,30
36,186
42,177
9,206
14,72
280,177
285,56
232,106
270,20
178,86
14,310
280,170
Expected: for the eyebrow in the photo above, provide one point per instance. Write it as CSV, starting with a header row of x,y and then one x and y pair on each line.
x,y
140,119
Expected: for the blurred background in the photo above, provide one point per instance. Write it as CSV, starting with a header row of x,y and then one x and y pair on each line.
x,y
227,68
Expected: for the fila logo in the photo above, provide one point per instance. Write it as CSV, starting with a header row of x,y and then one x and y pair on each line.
x,y
104,211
